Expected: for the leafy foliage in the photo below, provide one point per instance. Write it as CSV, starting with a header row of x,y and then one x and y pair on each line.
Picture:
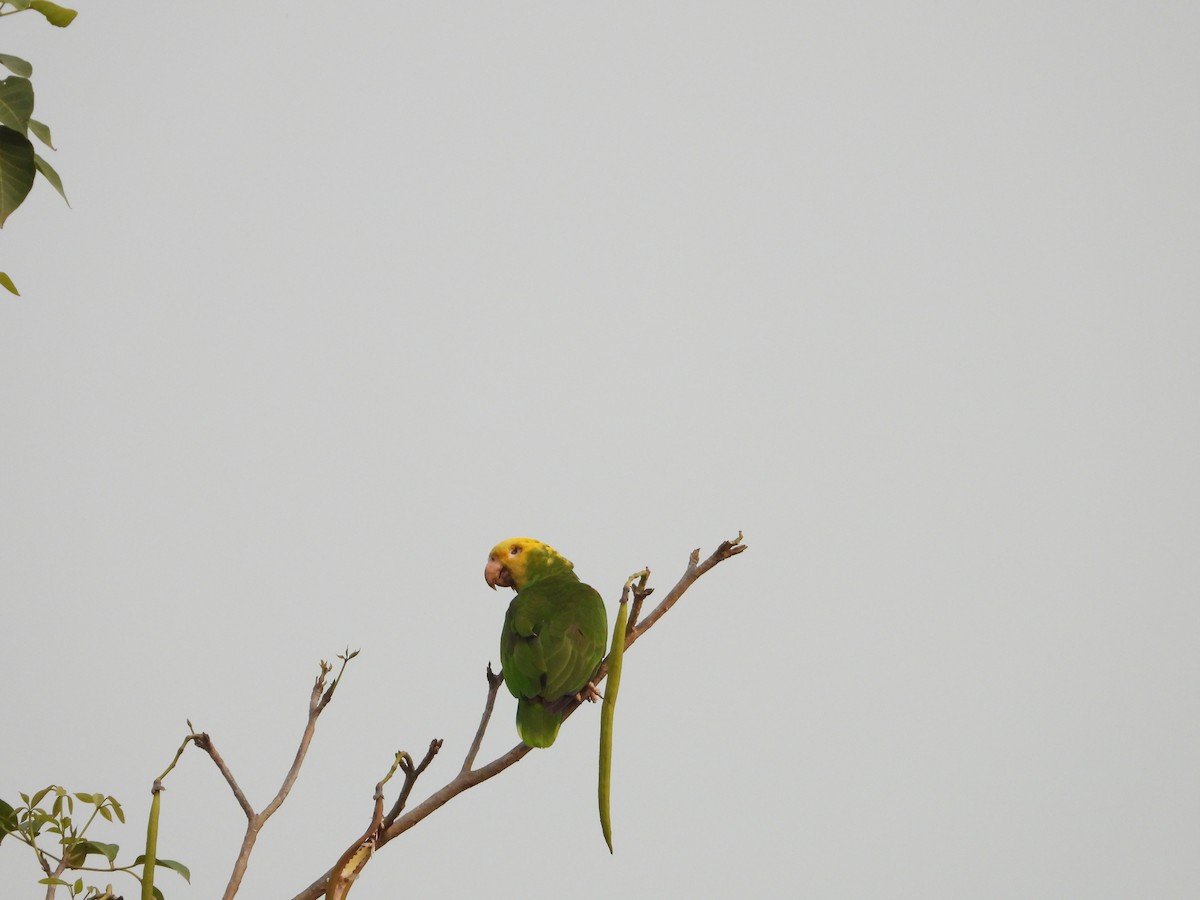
x,y
47,823
19,164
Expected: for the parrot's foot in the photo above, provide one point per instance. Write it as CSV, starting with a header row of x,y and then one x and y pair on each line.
x,y
589,693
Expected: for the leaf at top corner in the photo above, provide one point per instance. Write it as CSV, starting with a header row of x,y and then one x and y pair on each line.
x,y
51,176
16,102
16,65
56,15
17,172
41,131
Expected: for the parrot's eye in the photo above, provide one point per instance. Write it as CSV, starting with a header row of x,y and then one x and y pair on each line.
x,y
515,551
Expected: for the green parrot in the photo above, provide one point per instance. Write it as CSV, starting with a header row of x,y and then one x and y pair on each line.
x,y
554,634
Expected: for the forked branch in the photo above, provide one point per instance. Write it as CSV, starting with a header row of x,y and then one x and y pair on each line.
x,y
321,694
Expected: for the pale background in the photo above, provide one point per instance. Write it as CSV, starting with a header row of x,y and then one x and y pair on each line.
x,y
350,292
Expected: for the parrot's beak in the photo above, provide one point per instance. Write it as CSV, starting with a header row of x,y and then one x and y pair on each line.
x,y
495,574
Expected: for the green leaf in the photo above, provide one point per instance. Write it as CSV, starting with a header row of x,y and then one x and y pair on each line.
x,y
54,881
78,888
41,131
103,810
158,895
16,65
88,798
75,853
169,864
7,284
17,172
8,815
116,807
37,798
16,103
51,176
108,851
56,15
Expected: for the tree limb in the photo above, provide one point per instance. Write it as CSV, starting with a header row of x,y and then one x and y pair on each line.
x,y
494,679
411,774
318,699
469,777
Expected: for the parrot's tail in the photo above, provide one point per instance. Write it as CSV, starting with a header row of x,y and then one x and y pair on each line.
x,y
537,725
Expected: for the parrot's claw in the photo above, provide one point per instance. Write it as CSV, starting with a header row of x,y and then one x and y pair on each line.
x,y
589,693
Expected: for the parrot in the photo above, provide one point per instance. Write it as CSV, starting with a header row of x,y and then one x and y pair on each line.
x,y
554,634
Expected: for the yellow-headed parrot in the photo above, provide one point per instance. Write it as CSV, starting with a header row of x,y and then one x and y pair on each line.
x,y
553,638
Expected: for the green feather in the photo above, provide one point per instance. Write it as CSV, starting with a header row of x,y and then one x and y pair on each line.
x,y
537,725
553,640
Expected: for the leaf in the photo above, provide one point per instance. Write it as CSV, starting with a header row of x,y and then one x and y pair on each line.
x,y
37,798
16,102
16,65
116,807
51,176
8,815
54,881
103,810
75,852
17,172
41,131
7,284
168,863
89,798
158,895
108,851
56,15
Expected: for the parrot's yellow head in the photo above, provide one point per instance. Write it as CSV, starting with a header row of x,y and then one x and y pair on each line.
x,y
513,563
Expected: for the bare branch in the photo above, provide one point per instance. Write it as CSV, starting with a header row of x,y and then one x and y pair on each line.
x,y
726,550
640,593
318,699
411,774
205,743
494,679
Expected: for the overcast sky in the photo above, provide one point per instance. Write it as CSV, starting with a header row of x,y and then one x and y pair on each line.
x,y
350,292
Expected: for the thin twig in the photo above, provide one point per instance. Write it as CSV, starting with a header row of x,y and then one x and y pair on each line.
x,y
205,743
467,777
494,679
411,774
640,593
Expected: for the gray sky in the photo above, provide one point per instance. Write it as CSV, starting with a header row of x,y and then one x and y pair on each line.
x,y
907,292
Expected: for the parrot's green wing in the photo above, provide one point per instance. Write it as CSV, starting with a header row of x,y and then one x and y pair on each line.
x,y
554,637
